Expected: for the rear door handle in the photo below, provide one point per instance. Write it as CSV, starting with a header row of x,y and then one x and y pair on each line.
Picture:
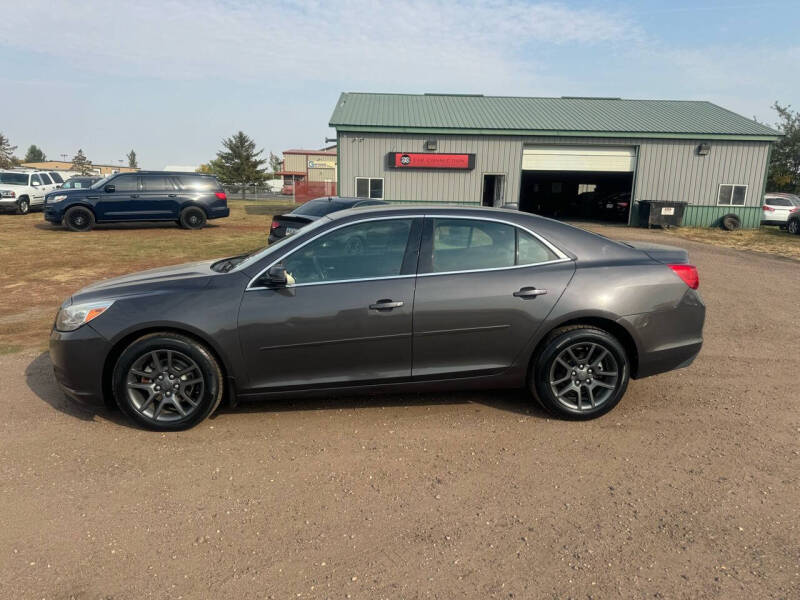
x,y
529,292
385,304
172,195
134,195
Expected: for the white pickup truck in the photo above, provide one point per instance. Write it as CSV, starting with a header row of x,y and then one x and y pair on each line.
x,y
23,190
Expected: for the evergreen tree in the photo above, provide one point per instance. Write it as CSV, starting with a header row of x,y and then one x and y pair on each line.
x,y
7,158
239,163
81,164
274,162
132,159
35,154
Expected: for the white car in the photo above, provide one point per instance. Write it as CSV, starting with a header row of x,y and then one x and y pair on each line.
x,y
23,190
777,207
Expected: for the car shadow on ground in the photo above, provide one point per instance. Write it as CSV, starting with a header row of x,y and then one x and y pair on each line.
x,y
124,226
40,380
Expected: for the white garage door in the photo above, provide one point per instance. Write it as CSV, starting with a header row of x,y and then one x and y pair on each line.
x,y
615,159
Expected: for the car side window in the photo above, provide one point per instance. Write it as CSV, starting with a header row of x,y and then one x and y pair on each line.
x,y
57,177
46,178
156,183
473,245
36,179
125,183
366,250
531,251
465,245
778,202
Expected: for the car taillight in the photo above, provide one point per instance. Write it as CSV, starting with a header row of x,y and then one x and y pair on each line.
x,y
767,208
795,209
274,225
688,273
221,195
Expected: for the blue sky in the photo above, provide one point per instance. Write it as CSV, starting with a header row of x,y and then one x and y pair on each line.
x,y
172,78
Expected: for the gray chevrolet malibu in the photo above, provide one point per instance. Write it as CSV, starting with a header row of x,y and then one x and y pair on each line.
x,y
389,299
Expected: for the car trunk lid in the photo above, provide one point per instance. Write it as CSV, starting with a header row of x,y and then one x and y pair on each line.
x,y
668,255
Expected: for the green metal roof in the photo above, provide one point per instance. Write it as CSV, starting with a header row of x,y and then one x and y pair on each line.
x,y
506,115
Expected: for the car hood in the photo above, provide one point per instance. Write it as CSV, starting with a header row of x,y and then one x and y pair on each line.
x,y
71,191
160,280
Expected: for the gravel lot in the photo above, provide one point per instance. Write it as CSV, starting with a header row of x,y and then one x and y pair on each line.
x,y
688,489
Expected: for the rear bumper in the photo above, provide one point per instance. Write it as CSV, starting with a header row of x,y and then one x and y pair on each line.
x,y
218,212
668,339
78,359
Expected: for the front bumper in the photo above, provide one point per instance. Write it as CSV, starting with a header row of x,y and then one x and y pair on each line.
x,y
78,359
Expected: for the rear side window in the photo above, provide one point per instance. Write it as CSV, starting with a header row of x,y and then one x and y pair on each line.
x,y
156,183
469,245
46,178
57,178
198,183
778,202
14,178
125,183
318,208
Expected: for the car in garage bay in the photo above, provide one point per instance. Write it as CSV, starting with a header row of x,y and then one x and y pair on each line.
x,y
437,298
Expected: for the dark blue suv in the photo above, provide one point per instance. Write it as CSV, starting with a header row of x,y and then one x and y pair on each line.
x,y
187,198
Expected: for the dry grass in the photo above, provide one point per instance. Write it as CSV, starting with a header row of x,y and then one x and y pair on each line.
x,y
42,265
769,240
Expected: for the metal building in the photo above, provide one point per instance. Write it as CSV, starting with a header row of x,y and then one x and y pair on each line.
x,y
556,156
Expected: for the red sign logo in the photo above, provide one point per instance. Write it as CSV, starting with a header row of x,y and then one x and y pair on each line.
x,y
431,160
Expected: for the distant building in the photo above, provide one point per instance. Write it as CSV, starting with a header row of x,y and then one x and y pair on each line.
x,y
63,165
314,171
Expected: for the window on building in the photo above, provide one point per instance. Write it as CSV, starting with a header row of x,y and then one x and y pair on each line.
x,y
732,195
369,187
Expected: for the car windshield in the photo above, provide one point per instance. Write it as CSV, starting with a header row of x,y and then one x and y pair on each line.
x,y
258,254
14,178
101,183
318,208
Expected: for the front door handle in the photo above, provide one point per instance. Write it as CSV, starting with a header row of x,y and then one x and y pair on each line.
x,y
172,195
529,292
134,195
385,304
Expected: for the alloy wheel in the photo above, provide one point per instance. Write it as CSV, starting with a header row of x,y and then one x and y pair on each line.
x,y
584,376
165,385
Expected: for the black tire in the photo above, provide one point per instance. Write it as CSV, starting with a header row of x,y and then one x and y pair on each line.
x,y
23,206
139,396
192,217
579,402
793,226
730,222
79,218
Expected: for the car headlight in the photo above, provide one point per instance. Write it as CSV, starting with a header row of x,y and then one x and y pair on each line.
x,y
57,198
71,317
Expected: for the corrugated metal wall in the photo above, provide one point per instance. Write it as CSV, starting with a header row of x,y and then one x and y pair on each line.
x,y
322,174
666,170
295,162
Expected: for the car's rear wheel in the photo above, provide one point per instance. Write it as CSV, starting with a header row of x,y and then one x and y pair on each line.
x,y
167,382
79,218
192,217
581,373
793,226
23,205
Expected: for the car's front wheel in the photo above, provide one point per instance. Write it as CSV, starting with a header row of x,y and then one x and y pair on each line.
x,y
581,373
23,206
192,217
79,218
167,382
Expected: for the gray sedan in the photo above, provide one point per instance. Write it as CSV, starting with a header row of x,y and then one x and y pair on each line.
x,y
429,298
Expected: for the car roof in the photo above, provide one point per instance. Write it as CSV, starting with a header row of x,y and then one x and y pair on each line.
x,y
793,197
346,200
184,173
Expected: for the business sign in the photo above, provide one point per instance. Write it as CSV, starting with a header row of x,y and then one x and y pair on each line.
x,y
322,164
430,160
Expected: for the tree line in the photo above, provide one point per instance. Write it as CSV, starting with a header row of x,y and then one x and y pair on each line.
x,y
34,154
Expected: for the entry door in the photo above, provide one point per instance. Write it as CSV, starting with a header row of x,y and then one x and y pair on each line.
x,y
158,199
122,203
346,315
483,290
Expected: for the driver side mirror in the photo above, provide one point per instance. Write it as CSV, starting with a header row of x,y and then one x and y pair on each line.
x,y
110,188
275,277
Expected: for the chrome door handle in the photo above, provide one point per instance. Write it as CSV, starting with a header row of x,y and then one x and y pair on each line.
x,y
172,195
385,305
529,292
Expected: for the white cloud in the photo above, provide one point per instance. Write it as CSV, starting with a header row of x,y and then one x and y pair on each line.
x,y
440,44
